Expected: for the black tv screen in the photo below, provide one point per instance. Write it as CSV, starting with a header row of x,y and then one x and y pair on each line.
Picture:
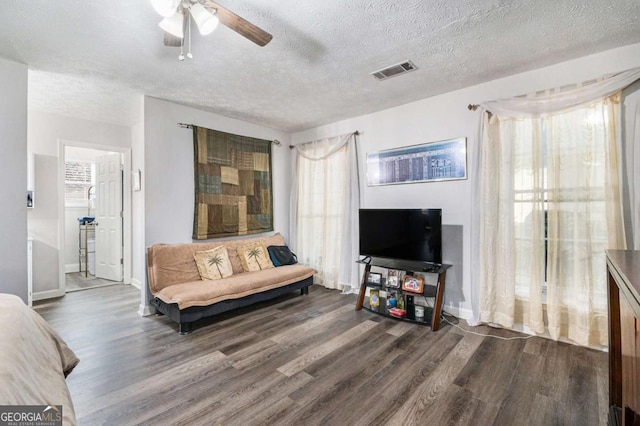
x,y
402,234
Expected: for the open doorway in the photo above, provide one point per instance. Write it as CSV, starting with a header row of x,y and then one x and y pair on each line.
x,y
95,222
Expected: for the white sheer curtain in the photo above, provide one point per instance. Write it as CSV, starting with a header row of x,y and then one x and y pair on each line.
x,y
324,210
631,155
549,206
475,166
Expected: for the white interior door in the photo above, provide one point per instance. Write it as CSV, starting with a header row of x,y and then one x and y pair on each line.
x,y
109,217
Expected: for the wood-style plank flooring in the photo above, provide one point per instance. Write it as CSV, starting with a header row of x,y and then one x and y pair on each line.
x,y
307,360
76,281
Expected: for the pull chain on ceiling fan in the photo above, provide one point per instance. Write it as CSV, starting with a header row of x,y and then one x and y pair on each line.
x,y
189,55
206,14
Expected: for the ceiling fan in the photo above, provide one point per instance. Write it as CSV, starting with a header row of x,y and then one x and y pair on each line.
x,y
206,14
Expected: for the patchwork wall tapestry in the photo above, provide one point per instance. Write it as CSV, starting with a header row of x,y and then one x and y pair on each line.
x,y
233,193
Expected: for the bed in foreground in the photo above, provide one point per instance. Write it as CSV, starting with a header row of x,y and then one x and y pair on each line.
x,y
34,360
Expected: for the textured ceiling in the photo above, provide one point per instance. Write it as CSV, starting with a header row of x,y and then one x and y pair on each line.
x,y
93,59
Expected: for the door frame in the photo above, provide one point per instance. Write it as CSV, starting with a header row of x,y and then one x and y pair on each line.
x,y
126,207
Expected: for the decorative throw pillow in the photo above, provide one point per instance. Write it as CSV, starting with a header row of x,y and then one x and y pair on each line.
x,y
254,257
213,264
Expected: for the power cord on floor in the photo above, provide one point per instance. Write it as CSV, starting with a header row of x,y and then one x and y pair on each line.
x,y
445,313
443,317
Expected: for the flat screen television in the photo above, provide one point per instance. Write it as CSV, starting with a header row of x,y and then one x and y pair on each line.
x,y
402,234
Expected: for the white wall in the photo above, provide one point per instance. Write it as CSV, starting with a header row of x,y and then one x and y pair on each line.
x,y
44,132
43,224
13,175
168,170
446,116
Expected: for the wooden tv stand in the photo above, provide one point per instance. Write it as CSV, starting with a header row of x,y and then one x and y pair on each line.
x,y
416,267
623,271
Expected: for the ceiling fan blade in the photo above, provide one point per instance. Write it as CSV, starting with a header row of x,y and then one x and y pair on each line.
x,y
171,40
239,24
174,41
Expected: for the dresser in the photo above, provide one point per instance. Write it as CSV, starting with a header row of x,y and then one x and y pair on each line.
x,y
623,271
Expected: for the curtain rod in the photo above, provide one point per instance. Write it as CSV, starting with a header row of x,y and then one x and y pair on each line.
x,y
190,126
356,133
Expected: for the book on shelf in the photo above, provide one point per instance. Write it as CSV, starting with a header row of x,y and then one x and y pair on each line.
x,y
400,313
374,298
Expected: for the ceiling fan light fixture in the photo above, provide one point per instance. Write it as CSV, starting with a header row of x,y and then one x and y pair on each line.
x,y
173,25
206,21
165,8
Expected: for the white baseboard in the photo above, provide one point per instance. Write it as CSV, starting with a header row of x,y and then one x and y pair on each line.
x,y
146,310
136,283
73,267
48,294
461,313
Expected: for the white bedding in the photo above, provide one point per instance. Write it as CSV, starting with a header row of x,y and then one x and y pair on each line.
x,y
34,360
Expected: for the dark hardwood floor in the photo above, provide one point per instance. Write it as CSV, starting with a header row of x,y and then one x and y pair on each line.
x,y
306,360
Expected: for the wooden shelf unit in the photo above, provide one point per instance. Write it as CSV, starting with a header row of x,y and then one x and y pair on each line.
x,y
84,229
432,315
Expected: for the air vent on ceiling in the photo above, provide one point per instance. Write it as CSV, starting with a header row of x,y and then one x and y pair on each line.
x,y
394,70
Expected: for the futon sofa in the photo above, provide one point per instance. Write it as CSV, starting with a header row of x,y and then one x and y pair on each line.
x,y
180,293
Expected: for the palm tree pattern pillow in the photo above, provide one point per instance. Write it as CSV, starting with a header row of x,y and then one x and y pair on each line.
x,y
213,264
254,257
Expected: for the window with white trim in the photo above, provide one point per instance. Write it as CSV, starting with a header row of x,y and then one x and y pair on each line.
x,y
79,177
